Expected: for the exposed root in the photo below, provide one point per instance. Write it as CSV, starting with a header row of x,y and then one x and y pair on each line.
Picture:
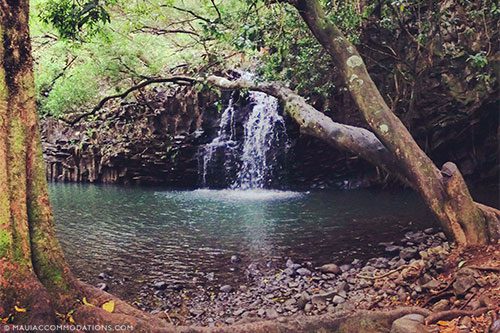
x,y
451,314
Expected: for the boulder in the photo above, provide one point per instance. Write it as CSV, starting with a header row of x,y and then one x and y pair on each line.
x,y
412,323
329,268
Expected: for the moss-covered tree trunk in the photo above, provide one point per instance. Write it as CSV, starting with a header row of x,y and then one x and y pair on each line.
x,y
444,191
31,262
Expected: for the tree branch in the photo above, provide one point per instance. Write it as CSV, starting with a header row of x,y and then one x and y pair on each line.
x,y
182,80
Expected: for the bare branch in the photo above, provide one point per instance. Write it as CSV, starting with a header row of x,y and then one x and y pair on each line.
x,y
159,31
182,80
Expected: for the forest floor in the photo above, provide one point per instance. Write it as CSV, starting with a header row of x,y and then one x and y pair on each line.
x,y
460,288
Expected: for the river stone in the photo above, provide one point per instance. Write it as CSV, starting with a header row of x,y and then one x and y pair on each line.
x,y
289,263
392,248
102,286
160,285
345,268
410,323
303,272
290,304
408,253
272,313
303,299
289,271
432,284
462,284
338,300
235,259
330,268
226,288
442,305
319,301
238,312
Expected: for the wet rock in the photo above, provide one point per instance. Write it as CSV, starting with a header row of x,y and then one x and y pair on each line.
x,y
410,323
226,288
345,268
238,312
338,300
303,272
303,299
160,285
462,284
271,313
319,301
429,231
102,286
196,312
408,253
442,305
235,259
432,284
290,304
392,249
329,268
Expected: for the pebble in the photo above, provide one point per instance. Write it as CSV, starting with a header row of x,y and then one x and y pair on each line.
x,y
226,288
303,272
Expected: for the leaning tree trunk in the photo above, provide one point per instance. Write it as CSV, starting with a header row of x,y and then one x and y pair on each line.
x,y
444,191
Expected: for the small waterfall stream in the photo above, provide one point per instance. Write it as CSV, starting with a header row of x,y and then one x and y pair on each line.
x,y
256,154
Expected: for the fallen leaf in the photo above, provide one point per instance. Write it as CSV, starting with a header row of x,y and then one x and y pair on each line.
x,y
109,306
19,309
85,302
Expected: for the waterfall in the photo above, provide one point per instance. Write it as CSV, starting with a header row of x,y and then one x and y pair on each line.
x,y
224,139
259,138
256,154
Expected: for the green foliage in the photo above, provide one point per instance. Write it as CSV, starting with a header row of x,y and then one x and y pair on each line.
x,y
75,19
478,60
87,49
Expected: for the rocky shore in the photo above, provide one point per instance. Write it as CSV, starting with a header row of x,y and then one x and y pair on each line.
x,y
460,290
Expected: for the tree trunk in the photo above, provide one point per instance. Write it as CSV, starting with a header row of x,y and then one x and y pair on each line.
x,y
446,195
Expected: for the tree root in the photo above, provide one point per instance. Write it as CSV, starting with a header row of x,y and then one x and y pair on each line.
x,y
451,314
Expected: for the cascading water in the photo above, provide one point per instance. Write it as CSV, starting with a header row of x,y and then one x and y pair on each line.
x,y
223,140
262,134
256,154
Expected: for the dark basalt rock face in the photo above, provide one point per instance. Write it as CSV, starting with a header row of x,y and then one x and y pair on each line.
x,y
152,142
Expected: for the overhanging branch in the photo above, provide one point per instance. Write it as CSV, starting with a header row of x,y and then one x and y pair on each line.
x,y
181,80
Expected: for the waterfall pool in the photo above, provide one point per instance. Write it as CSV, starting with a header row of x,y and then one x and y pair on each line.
x,y
143,234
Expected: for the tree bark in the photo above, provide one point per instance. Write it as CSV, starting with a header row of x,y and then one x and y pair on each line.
x,y
452,205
